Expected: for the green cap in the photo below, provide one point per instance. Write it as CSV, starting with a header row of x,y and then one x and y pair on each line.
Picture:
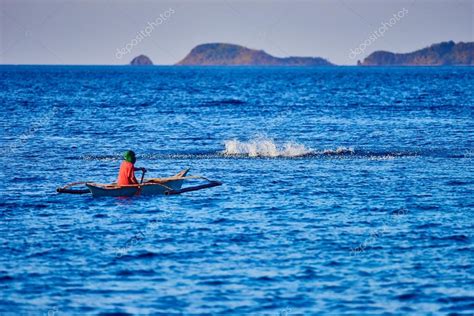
x,y
129,156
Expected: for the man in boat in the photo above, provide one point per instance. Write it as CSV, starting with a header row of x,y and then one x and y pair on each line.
x,y
127,169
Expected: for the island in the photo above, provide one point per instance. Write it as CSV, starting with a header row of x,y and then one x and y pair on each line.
x,y
223,54
441,54
141,60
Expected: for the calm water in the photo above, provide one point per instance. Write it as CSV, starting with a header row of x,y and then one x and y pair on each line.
x,y
346,190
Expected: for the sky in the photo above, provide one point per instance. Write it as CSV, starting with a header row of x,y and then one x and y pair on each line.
x,y
112,32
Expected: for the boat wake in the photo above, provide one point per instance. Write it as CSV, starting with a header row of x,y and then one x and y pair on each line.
x,y
264,147
268,148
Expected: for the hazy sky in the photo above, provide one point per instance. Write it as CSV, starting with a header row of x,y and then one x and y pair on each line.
x,y
90,32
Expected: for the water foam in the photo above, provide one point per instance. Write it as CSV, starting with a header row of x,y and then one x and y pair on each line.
x,y
339,151
264,147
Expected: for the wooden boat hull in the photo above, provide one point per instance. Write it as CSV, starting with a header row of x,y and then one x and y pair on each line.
x,y
132,190
149,187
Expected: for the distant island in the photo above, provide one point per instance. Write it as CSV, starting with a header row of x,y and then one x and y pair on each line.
x,y
441,54
141,60
222,54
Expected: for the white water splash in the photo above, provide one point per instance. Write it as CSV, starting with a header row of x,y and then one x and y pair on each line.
x,y
339,151
263,147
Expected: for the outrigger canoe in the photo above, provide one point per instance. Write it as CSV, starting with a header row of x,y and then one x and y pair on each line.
x,y
154,186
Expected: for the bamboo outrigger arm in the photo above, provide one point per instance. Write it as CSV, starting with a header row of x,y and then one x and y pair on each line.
x,y
67,188
195,188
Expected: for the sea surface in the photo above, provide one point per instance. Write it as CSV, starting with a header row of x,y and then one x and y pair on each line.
x,y
345,191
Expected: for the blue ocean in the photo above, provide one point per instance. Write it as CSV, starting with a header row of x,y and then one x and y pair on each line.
x,y
346,190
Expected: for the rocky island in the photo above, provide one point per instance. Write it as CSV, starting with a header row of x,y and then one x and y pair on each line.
x,y
222,54
441,54
141,60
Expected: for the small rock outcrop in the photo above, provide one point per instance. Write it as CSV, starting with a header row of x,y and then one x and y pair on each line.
x,y
141,60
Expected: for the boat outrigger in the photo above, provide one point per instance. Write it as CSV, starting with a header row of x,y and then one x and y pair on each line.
x,y
153,186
